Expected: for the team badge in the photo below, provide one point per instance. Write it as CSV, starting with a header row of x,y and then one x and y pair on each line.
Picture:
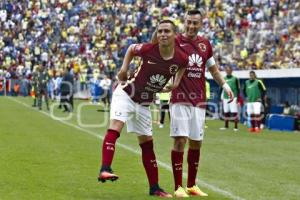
x,y
202,47
173,69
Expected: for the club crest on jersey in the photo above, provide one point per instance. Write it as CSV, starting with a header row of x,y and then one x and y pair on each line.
x,y
202,47
173,69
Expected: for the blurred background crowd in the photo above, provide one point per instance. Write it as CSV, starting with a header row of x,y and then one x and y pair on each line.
x,y
91,36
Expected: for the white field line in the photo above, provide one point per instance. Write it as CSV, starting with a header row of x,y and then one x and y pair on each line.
x,y
160,163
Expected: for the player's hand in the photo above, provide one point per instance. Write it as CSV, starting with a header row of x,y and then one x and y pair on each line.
x,y
122,76
168,88
228,91
230,95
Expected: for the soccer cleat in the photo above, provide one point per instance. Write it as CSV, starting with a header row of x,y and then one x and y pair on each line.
x,y
107,174
257,129
161,126
223,128
180,193
251,129
157,191
195,191
235,129
262,126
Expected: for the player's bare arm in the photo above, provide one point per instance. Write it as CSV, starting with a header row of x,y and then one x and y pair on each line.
x,y
217,76
122,74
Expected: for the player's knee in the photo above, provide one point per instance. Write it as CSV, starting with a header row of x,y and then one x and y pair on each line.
x,y
193,144
179,143
116,125
144,138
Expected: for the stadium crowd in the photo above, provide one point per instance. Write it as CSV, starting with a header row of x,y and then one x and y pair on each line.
x,y
91,36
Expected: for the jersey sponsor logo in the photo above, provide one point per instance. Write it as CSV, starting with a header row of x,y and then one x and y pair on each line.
x,y
151,63
194,75
202,47
173,69
158,79
195,59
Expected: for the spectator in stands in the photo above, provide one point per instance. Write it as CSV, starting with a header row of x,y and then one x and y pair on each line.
x,y
87,36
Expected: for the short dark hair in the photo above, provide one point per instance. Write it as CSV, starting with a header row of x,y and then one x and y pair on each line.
x,y
167,21
194,12
253,72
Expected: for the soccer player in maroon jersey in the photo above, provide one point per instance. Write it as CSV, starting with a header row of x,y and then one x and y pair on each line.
x,y
130,101
188,103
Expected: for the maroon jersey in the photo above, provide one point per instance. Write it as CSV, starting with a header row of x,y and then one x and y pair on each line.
x,y
153,73
191,90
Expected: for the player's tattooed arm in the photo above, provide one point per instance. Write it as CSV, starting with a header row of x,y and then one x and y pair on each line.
x,y
176,82
122,74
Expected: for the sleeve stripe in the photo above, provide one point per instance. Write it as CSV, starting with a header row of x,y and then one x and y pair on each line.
x,y
262,85
210,62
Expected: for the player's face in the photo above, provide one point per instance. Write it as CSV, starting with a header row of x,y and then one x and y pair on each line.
x,y
228,71
252,76
165,34
192,24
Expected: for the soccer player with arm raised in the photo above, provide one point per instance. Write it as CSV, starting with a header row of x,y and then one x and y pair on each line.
x,y
131,99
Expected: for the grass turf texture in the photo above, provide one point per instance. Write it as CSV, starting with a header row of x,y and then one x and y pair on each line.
x,y
43,158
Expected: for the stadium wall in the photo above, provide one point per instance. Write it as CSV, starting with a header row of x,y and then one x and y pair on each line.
x,y
282,84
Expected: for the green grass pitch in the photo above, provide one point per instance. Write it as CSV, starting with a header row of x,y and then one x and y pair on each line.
x,y
46,158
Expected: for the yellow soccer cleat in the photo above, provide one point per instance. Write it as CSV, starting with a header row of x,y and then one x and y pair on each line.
x,y
180,193
195,191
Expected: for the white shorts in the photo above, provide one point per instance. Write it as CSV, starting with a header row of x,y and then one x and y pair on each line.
x,y
137,117
254,108
231,107
187,121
